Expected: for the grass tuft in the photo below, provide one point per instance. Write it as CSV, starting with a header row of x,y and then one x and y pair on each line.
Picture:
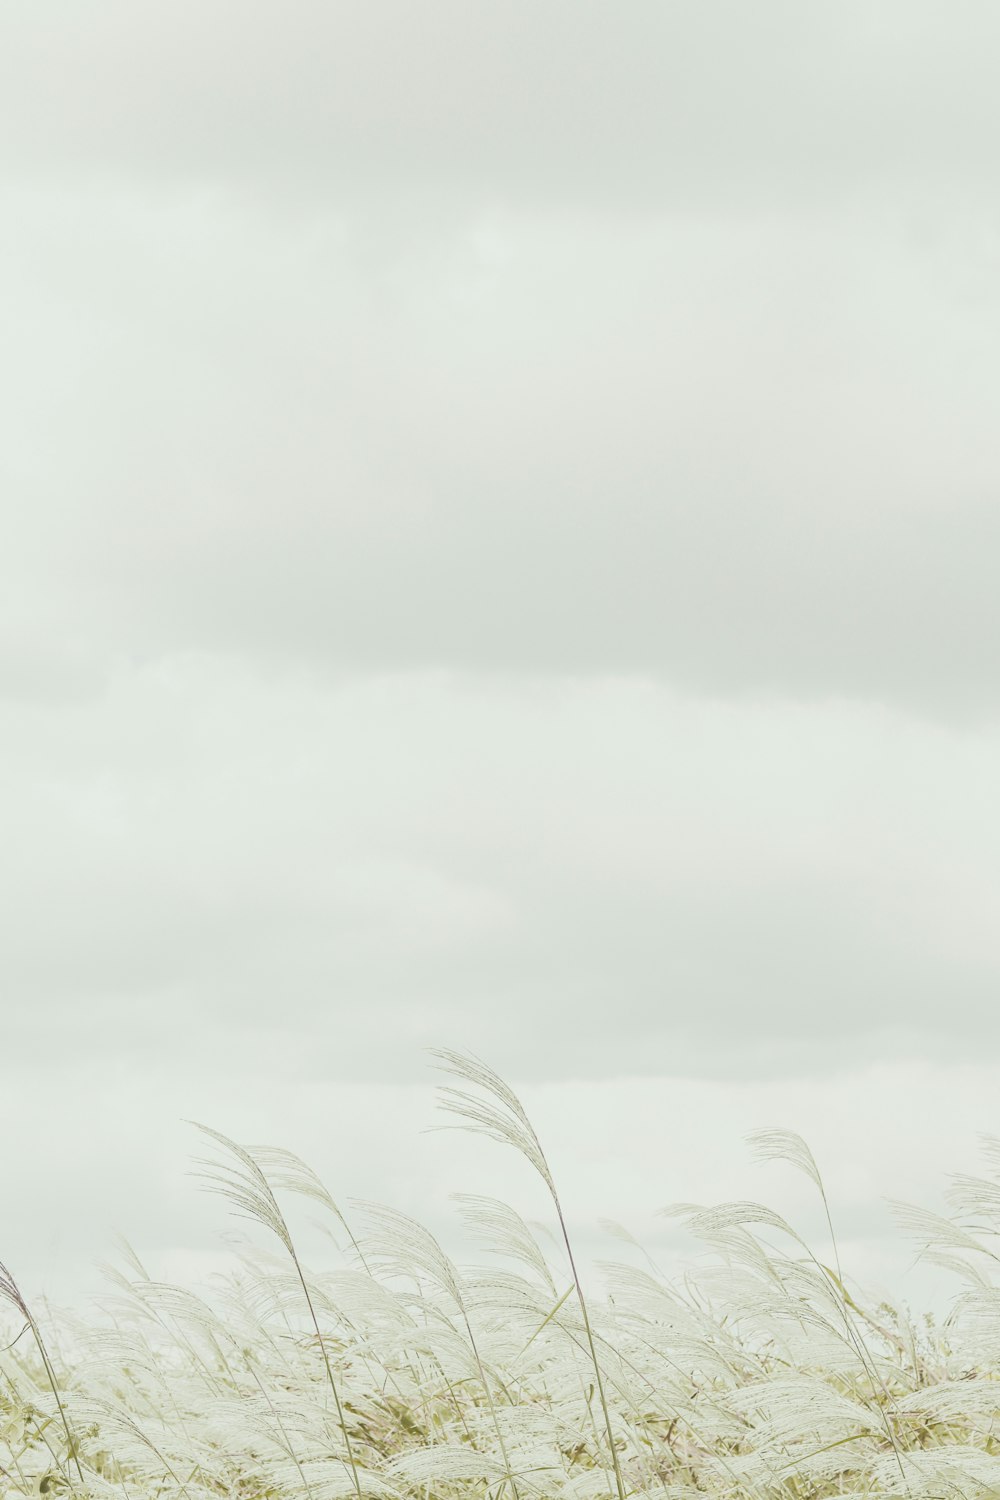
x,y
395,1374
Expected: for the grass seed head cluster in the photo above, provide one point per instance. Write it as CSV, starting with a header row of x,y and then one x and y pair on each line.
x,y
398,1375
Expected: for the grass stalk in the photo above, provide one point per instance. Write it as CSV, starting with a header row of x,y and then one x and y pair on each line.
x,y
10,1291
253,1197
502,1118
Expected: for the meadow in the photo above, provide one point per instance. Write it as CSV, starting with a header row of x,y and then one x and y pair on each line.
x,y
394,1373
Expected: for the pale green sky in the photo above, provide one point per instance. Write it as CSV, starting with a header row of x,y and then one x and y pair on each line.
x,y
499,549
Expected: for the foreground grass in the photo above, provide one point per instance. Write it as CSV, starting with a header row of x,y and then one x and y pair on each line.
x,y
398,1375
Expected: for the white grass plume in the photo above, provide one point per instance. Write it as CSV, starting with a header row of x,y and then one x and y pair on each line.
x,y
504,1233
502,1117
742,1382
246,1187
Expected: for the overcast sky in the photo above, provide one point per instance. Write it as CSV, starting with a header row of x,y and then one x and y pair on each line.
x,y
500,541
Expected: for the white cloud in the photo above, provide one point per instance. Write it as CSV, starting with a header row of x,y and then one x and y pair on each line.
x,y
739,453
702,882
498,550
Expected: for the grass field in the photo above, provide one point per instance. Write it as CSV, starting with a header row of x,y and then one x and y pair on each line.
x,y
393,1373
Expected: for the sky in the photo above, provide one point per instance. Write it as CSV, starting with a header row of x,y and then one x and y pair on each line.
x,y
498,536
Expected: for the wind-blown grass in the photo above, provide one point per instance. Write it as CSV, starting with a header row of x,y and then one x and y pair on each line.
x,y
397,1374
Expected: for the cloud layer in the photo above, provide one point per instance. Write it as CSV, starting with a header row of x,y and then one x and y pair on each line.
x,y
542,341
499,520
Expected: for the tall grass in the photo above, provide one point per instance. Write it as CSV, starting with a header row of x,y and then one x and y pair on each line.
x,y
394,1373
